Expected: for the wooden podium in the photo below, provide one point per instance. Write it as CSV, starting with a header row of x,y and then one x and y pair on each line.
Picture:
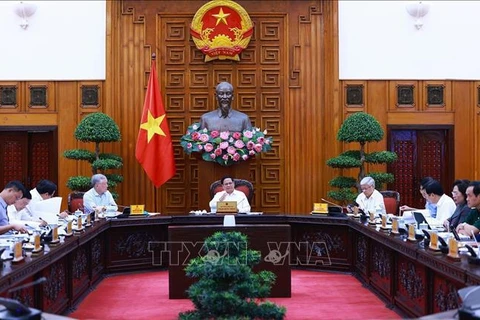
x,y
209,172
186,241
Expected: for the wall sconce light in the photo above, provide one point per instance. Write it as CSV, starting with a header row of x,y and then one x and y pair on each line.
x,y
25,11
418,9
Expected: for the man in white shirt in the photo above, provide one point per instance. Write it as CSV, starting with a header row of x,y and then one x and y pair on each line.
x,y
430,207
230,194
15,211
98,195
370,200
44,190
445,205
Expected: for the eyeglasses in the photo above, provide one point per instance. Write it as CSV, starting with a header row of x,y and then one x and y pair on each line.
x,y
366,188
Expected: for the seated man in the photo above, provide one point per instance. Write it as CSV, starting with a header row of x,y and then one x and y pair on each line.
x,y
471,226
370,200
99,196
15,211
44,190
444,204
12,192
230,194
432,208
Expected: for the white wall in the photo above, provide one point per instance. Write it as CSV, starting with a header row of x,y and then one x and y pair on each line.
x,y
378,40
64,41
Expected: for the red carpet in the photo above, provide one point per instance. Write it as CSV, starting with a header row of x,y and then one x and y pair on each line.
x,y
315,295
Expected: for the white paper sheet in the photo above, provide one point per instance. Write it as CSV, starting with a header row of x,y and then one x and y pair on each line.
x,y
46,210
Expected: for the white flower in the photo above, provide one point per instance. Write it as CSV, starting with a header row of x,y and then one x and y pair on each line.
x,y
265,131
194,127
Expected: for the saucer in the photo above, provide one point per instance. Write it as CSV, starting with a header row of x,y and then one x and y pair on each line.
x,y
28,246
38,250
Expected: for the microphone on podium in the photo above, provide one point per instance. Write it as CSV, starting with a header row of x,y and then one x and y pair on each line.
x,y
16,310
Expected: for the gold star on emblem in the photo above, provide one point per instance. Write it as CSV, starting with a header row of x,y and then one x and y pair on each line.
x,y
221,17
153,126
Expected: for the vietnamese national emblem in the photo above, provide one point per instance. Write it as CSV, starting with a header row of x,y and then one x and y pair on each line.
x,y
221,29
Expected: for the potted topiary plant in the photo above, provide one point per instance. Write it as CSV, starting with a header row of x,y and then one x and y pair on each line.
x,y
363,128
98,128
227,287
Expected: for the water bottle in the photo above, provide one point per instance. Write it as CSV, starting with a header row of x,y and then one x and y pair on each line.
x,y
213,208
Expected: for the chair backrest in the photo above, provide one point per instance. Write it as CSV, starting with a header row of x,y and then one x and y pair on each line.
x,y
240,184
391,200
75,201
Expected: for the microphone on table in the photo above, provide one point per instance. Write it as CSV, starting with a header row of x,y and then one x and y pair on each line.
x,y
333,204
27,285
17,310
337,213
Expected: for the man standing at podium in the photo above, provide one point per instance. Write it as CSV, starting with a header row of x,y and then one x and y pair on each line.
x,y
225,118
230,194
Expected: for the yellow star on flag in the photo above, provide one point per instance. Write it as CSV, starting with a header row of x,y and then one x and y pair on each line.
x,y
221,17
153,126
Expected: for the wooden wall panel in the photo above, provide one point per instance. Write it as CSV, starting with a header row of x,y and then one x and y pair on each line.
x,y
459,108
261,81
287,81
465,116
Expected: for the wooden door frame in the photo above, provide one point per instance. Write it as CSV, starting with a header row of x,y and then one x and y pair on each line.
x,y
39,129
450,147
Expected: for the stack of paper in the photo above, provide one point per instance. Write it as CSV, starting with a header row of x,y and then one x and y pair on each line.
x,y
46,210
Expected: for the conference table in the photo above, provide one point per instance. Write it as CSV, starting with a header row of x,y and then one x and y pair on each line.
x,y
409,278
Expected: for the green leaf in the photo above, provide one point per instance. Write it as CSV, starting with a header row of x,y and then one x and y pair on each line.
x,y
381,157
97,127
360,127
354,154
206,157
343,182
343,162
110,156
227,286
80,154
79,183
104,164
342,195
381,178
113,177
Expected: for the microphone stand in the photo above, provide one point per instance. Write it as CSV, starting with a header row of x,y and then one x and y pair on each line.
x,y
18,311
332,213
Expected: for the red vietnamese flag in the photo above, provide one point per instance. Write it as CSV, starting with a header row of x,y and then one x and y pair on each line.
x,y
154,148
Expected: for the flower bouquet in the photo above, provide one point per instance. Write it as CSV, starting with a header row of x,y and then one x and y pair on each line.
x,y
225,147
